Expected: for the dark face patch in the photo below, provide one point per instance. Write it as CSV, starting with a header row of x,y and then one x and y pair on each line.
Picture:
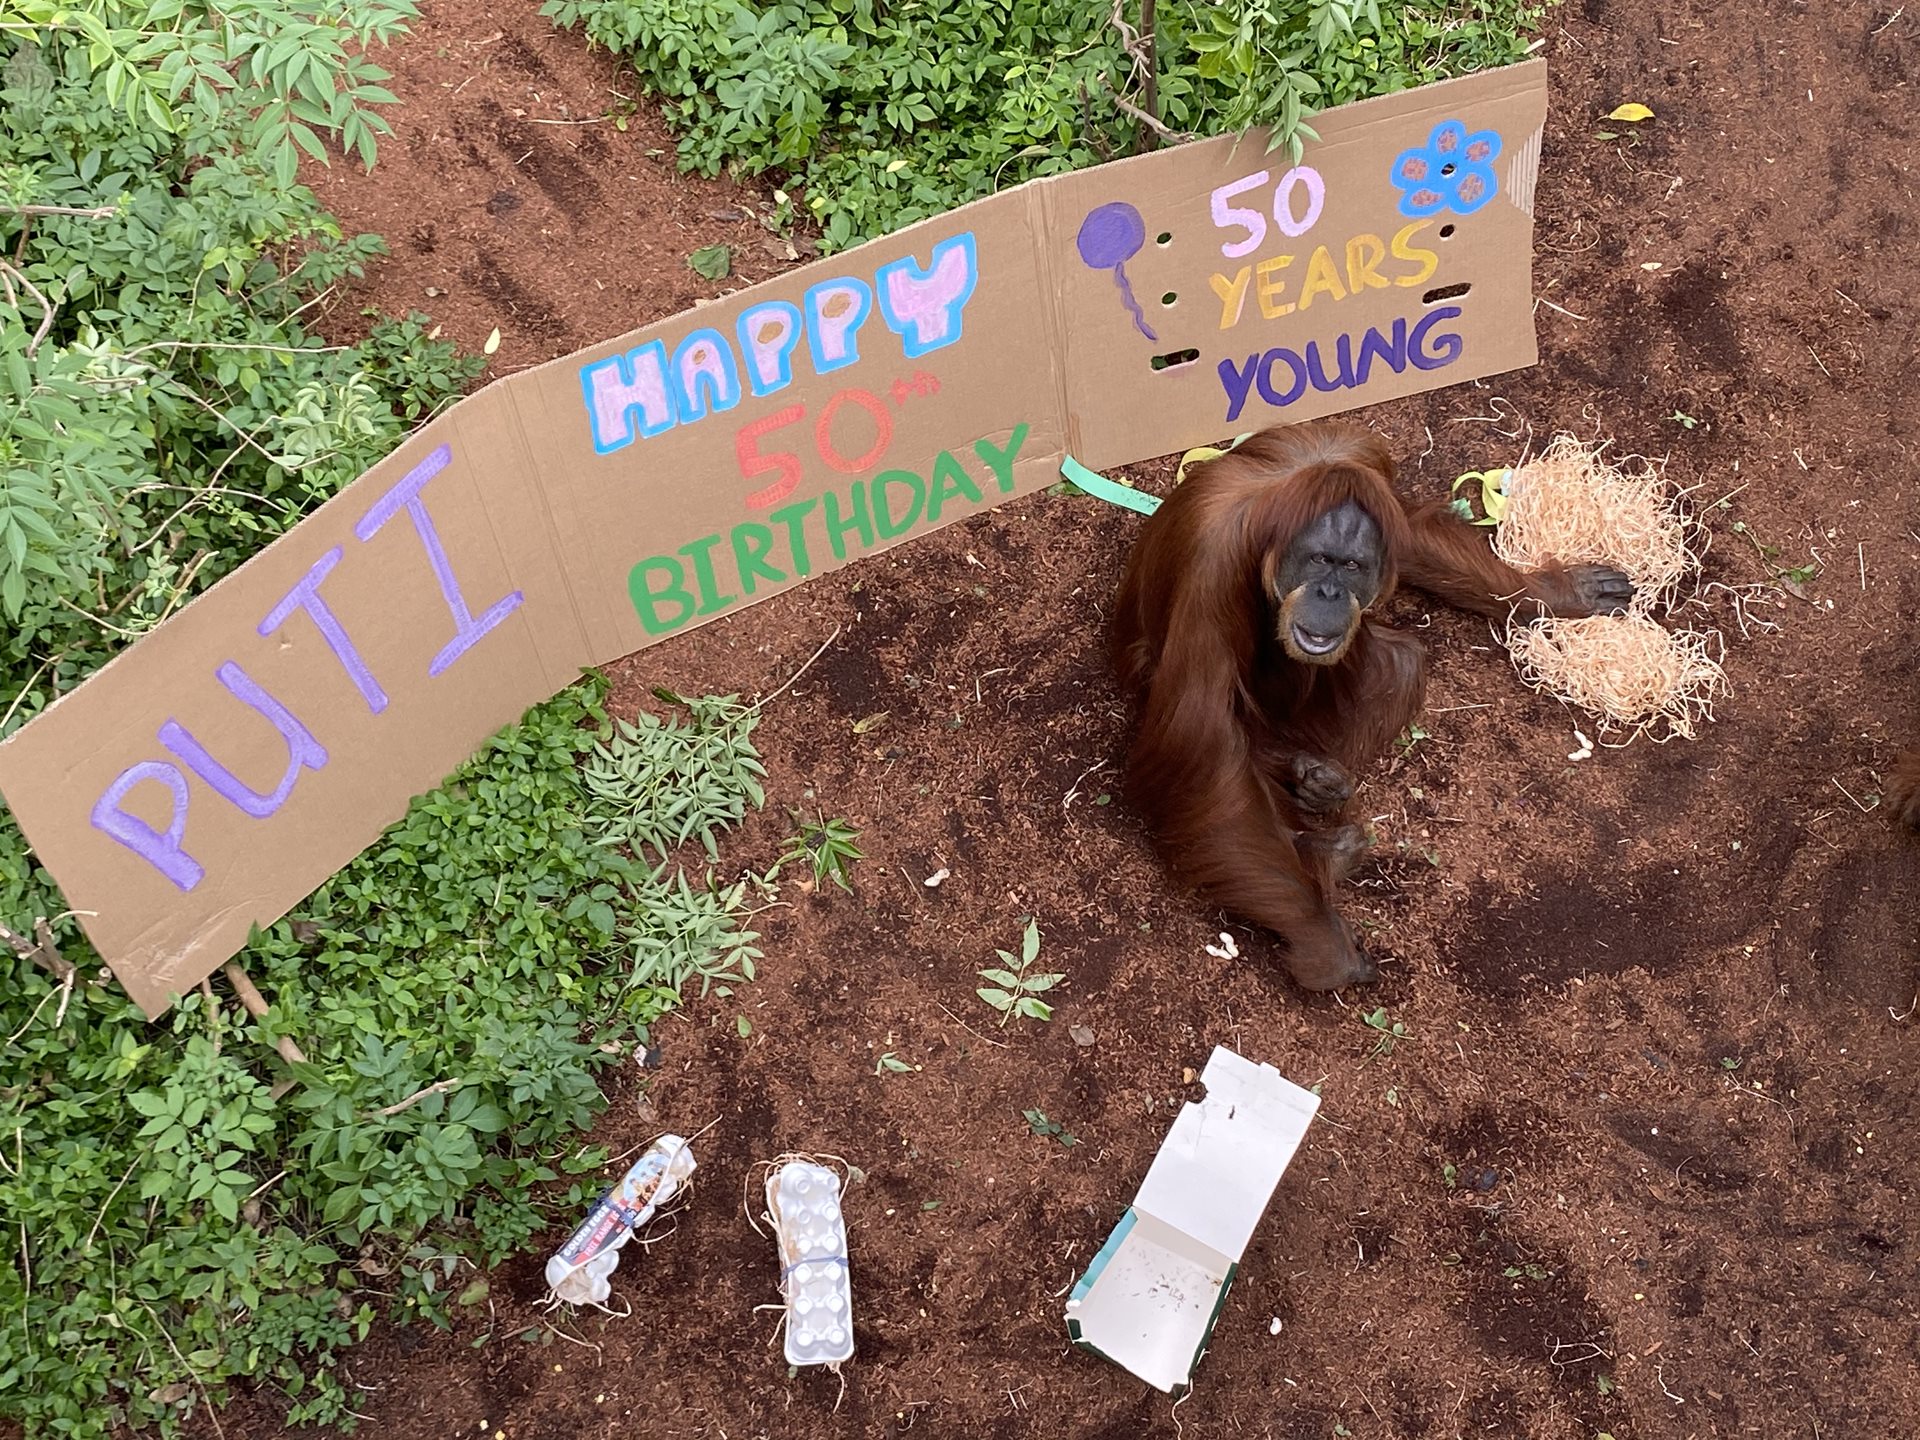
x,y
1328,576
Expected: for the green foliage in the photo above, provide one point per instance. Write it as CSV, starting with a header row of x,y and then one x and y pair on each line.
x,y
163,410
659,783
1015,989
888,114
455,989
829,849
1038,1122
1391,1031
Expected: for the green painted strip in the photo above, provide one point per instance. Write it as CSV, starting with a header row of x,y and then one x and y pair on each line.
x,y
1114,493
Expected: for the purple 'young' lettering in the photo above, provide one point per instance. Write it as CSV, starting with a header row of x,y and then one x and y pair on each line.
x,y
302,749
306,596
162,851
406,496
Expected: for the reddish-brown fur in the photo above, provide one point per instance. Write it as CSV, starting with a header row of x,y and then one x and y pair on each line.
x,y
1224,712
1903,790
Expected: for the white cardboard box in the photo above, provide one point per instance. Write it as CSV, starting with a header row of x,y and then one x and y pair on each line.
x,y
1152,1295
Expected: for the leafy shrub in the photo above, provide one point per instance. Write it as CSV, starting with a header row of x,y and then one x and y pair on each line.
x,y
455,991
163,410
889,114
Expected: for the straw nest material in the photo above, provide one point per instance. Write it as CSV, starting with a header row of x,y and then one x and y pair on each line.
x,y
1633,673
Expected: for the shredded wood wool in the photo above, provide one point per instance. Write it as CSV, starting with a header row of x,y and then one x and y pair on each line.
x,y
1633,673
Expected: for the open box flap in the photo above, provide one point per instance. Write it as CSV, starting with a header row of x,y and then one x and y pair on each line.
x,y
1220,1162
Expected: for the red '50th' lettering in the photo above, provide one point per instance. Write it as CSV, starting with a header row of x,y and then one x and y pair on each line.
x,y
785,465
755,462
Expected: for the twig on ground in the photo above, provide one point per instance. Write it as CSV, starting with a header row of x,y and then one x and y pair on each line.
x,y
769,699
439,1087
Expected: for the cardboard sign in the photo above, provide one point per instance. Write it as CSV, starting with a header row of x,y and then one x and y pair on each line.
x,y
1153,1294
225,765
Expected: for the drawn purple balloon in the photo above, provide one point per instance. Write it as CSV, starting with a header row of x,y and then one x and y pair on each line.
x,y
1110,236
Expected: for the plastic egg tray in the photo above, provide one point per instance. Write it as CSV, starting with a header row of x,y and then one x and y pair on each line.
x,y
804,1201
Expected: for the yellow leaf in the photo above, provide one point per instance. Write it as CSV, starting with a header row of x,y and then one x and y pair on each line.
x,y
871,722
493,341
896,166
1633,112
1194,457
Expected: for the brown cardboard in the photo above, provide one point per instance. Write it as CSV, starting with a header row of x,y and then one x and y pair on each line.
x,y
582,514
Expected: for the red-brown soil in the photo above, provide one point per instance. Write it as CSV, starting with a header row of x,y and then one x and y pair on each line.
x,y
1661,1002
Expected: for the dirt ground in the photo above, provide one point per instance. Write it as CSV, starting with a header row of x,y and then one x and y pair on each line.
x,y
1661,1002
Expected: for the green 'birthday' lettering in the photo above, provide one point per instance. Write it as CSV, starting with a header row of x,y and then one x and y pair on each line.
x,y
791,516
883,484
881,510
949,480
750,545
646,599
1001,461
859,520
701,553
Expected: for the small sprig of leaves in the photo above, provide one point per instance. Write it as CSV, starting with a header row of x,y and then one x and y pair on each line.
x,y
1014,989
1391,1031
659,782
827,847
1038,1122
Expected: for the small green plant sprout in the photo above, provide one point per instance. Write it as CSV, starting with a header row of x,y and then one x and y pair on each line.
x,y
1391,1031
1795,577
827,847
1493,496
1015,989
1410,737
1038,1122
892,1064
1731,1062
1525,1272
1683,420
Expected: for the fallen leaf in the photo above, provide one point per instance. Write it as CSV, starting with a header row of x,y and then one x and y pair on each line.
x,y
744,1026
1194,457
1606,135
1082,1036
474,1293
871,722
170,1394
712,262
1651,265
1633,112
493,341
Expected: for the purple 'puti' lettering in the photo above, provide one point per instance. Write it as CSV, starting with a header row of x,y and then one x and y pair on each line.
x,y
302,749
163,852
406,496
306,596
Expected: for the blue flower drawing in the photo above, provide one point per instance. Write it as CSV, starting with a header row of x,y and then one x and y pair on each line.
x,y
1452,171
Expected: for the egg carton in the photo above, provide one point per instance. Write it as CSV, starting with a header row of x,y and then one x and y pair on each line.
x,y
579,1271
803,1200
